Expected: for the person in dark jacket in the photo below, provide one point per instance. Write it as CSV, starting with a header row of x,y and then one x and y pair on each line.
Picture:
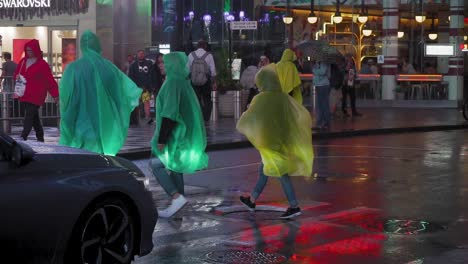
x,y
142,73
39,81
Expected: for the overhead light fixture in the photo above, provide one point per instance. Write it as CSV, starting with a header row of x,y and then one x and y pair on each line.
x,y
420,17
288,19
337,18
401,34
432,32
191,15
241,15
312,19
362,18
366,31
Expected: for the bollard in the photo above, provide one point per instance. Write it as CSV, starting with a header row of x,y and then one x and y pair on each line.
x,y
214,111
237,104
5,114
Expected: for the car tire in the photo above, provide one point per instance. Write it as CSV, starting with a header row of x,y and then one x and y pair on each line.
x,y
105,233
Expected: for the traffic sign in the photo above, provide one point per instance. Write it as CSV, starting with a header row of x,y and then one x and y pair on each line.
x,y
243,25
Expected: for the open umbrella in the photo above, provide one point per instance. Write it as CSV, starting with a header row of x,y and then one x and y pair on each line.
x,y
321,51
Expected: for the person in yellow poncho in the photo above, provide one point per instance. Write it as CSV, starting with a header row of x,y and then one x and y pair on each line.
x,y
289,75
280,129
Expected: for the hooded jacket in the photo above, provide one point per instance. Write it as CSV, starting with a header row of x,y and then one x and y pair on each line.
x,y
39,78
184,151
96,100
278,127
289,76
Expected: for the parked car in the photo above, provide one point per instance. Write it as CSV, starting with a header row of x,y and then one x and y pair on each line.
x,y
66,205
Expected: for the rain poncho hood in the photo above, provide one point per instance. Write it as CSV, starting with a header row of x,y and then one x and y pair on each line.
x,y
185,150
96,100
35,47
289,76
278,127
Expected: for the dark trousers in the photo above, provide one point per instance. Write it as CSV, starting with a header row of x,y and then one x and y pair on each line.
x,y
352,96
31,119
252,93
204,97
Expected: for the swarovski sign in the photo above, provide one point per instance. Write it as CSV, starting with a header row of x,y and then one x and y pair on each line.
x,y
24,3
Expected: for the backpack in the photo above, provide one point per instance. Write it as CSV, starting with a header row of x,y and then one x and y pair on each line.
x,y
199,70
336,77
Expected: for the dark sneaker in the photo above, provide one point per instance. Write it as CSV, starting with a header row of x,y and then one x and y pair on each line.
x,y
291,212
40,140
150,121
246,201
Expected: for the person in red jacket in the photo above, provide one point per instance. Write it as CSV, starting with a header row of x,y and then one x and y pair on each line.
x,y
39,81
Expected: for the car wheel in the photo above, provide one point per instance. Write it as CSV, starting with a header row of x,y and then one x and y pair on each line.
x,y
105,234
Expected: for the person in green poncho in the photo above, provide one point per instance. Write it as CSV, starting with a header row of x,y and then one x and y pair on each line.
x,y
179,141
280,129
289,75
96,100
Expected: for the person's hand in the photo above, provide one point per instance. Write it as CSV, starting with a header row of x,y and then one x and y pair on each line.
x,y
161,147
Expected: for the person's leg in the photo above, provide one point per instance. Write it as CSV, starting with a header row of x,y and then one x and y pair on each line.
x,y
320,105
38,125
352,93
326,108
147,110
208,102
344,99
29,113
288,190
261,182
163,177
178,180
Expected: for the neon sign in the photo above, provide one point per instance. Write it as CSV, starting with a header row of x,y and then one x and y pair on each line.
x,y
24,3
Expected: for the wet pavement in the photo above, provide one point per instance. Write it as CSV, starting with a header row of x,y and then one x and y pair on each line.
x,y
222,133
376,199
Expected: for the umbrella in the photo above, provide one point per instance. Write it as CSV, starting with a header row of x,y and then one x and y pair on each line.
x,y
320,51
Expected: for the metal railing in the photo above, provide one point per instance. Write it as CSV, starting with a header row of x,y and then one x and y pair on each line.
x,y
12,112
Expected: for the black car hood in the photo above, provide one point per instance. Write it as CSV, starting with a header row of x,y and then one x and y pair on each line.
x,y
42,148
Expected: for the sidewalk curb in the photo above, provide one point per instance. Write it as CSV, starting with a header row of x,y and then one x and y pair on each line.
x,y
143,153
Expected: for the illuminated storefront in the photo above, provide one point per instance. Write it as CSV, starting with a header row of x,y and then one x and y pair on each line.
x,y
123,27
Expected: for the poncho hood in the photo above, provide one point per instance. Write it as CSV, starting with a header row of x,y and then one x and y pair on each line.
x,y
175,64
35,47
90,42
288,55
267,79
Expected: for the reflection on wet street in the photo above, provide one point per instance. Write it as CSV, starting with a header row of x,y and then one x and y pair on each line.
x,y
383,199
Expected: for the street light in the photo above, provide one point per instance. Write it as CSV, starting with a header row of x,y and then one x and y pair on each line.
x,y
241,15
366,30
337,18
401,34
312,19
432,32
287,19
363,15
420,17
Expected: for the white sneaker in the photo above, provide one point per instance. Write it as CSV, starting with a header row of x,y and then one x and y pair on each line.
x,y
175,206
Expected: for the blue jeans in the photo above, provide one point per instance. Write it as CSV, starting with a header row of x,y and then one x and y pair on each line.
x,y
285,183
323,105
172,182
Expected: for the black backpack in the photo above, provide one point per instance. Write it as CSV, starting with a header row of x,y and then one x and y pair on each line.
x,y
336,77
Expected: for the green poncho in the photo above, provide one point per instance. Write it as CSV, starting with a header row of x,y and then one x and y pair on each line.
x,y
96,100
279,128
289,76
185,150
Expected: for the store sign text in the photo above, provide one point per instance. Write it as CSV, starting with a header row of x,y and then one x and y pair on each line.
x,y
24,3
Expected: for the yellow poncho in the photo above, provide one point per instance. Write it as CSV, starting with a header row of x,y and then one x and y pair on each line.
x,y
289,76
279,128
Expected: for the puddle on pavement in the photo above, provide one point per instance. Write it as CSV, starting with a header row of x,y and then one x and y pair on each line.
x,y
257,215
411,227
241,256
